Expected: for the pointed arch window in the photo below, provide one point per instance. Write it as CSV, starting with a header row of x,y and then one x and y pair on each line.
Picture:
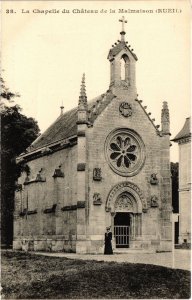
x,y
125,67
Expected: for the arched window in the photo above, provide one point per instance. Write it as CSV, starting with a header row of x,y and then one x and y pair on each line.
x,y
124,67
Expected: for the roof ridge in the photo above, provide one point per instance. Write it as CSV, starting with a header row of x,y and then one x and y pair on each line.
x,y
65,125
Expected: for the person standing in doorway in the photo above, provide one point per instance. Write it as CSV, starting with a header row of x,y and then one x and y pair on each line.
x,y
108,241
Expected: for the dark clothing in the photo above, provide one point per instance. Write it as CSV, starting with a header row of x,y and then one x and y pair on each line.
x,y
108,245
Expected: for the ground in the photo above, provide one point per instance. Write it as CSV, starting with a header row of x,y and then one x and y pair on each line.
x,y
182,258
31,276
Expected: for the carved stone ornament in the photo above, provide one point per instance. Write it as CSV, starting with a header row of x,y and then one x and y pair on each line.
x,y
40,177
123,203
97,199
125,109
153,179
18,187
128,190
58,172
154,201
145,207
97,174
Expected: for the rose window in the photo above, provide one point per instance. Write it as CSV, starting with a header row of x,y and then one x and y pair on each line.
x,y
125,152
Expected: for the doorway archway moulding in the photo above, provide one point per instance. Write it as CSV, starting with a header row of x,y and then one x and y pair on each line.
x,y
130,187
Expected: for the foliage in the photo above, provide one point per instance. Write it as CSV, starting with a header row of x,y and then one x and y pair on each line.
x,y
5,92
30,276
18,132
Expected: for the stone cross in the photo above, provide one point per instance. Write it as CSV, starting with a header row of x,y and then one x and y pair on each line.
x,y
123,22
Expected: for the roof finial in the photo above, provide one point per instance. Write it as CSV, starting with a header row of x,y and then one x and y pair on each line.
x,y
62,108
83,96
123,28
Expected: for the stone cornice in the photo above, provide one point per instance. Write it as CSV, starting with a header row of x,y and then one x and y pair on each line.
x,y
48,150
185,189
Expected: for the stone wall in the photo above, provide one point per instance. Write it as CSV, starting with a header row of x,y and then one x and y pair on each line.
x,y
46,203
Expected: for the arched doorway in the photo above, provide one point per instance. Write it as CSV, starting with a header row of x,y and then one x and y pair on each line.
x,y
125,206
127,220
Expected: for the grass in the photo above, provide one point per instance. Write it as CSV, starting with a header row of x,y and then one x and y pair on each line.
x,y
29,276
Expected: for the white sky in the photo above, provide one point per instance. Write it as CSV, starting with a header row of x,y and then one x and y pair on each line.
x,y
44,56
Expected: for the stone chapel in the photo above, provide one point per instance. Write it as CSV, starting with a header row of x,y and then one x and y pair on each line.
x,y
103,163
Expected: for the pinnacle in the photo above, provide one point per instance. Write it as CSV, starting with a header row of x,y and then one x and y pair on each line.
x,y
83,89
83,97
165,106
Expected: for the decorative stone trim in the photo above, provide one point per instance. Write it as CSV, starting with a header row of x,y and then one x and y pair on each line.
x,y
58,173
80,204
153,179
18,188
27,212
37,179
50,209
81,166
154,201
59,145
97,199
80,122
40,178
81,133
125,109
46,150
27,180
97,174
69,207
32,212
23,213
129,187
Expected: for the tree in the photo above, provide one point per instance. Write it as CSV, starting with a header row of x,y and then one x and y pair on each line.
x,y
18,132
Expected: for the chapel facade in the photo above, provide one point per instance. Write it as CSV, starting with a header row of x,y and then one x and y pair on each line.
x,y
103,163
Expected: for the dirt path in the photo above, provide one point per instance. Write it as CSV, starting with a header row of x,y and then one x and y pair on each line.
x,y
182,258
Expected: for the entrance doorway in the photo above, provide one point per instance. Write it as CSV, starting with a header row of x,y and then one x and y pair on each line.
x,y
122,229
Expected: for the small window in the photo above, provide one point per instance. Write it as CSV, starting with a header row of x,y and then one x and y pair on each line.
x,y
124,67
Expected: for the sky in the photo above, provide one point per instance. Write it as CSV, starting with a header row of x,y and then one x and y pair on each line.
x,y
45,55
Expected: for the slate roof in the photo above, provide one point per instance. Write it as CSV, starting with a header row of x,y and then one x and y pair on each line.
x,y
65,125
185,131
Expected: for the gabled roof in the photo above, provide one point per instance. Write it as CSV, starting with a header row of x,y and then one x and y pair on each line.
x,y
65,125
117,48
185,131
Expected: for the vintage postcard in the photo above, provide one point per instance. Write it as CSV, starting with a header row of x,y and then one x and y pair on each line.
x,y
96,149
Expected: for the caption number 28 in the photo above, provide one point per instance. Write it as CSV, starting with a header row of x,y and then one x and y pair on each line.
x,y
10,11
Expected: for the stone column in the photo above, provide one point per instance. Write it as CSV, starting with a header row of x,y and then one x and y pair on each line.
x,y
165,188
16,219
81,243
